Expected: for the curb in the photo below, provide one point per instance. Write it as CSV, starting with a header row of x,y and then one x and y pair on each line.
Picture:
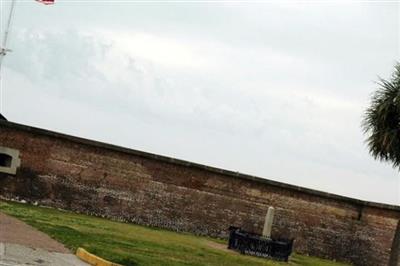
x,y
93,259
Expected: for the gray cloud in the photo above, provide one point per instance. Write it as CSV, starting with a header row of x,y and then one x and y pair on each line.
x,y
276,91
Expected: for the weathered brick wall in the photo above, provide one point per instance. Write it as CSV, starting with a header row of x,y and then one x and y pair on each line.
x,y
100,179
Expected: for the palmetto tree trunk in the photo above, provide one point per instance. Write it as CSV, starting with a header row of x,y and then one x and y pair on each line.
x,y
395,251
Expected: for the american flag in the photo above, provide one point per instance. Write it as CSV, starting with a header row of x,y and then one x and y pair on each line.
x,y
46,2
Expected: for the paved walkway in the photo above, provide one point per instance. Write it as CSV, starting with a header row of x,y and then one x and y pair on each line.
x,y
15,254
21,244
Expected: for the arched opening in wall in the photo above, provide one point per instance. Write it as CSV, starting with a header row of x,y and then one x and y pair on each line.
x,y
5,160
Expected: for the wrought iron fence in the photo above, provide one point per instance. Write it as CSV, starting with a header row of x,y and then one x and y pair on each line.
x,y
256,245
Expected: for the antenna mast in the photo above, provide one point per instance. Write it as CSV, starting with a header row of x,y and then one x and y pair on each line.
x,y
3,48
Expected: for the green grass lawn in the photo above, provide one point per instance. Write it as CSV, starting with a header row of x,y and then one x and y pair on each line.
x,y
130,244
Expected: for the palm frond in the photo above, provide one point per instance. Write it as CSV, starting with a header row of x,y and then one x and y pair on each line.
x,y
381,121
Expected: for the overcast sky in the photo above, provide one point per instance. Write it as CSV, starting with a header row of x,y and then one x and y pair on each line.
x,y
277,91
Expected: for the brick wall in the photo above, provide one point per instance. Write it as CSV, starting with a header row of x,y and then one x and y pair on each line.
x,y
100,179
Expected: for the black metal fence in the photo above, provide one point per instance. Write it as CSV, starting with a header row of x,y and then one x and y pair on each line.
x,y
256,245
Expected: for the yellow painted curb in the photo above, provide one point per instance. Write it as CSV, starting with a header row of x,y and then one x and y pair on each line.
x,y
93,259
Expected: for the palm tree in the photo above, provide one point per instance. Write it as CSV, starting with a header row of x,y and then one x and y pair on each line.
x,y
382,125
382,120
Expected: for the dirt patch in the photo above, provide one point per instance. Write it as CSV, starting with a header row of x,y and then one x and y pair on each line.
x,y
219,246
15,231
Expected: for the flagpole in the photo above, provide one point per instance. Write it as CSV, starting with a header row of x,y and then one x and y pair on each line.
x,y
4,49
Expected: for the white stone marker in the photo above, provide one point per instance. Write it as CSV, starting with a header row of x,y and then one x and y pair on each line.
x,y
269,218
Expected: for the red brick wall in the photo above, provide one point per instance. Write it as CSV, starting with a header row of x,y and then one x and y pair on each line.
x,y
100,179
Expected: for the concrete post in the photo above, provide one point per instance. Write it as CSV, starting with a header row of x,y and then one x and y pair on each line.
x,y
269,218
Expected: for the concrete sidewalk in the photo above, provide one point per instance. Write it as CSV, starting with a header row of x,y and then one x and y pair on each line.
x,y
21,244
15,254
15,231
